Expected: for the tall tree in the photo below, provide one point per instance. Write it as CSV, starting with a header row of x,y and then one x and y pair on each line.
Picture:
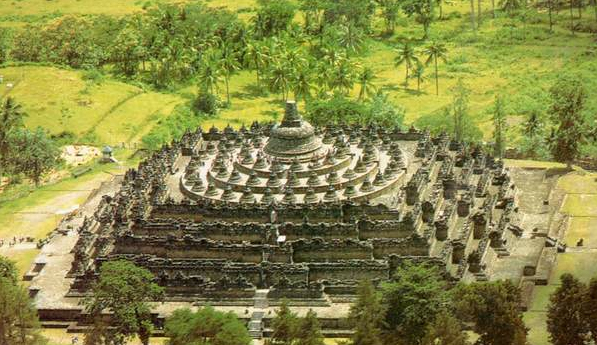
x,y
472,16
228,65
413,299
499,126
12,118
460,109
273,17
445,330
422,10
419,74
435,51
494,308
8,270
205,326
308,331
210,74
365,80
389,10
566,323
301,82
256,55
350,38
125,290
406,56
568,97
366,316
279,78
284,325
35,154
343,76
19,324
589,308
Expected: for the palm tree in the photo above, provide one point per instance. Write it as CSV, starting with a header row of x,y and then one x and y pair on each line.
x,y
228,65
323,77
435,51
474,26
11,118
510,5
343,76
278,78
255,58
210,74
406,55
365,79
351,38
301,83
419,74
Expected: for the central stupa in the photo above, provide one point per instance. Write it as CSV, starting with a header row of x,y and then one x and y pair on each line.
x,y
294,138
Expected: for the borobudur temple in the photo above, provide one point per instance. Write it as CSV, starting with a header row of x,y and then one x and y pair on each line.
x,y
291,211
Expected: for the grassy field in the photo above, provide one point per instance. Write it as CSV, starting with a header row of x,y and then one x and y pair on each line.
x,y
60,100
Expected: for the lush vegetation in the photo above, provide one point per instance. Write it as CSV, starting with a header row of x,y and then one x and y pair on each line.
x,y
319,51
19,324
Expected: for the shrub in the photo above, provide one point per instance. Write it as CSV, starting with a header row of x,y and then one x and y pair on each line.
x,y
206,103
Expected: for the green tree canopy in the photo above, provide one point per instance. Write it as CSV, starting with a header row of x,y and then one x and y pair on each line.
x,y
494,308
366,316
19,324
568,97
124,290
206,326
413,299
566,322
308,330
284,325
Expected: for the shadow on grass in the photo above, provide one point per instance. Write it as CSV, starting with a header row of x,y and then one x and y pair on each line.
x,y
249,92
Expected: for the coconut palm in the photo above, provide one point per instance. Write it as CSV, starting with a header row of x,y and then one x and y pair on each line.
x,y
255,56
228,65
365,79
418,73
301,82
406,55
342,77
278,78
435,51
210,74
350,38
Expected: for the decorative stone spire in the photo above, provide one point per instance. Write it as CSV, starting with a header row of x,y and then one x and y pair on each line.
x,y
289,196
198,186
350,191
349,174
267,197
247,196
253,180
313,180
228,194
235,176
212,191
366,187
311,197
330,195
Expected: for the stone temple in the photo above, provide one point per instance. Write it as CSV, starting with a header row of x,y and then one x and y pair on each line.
x,y
241,219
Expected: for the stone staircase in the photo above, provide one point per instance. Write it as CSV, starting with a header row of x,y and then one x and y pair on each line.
x,y
256,323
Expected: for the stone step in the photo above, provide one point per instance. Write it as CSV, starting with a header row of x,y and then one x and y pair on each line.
x,y
254,325
255,334
257,315
261,303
